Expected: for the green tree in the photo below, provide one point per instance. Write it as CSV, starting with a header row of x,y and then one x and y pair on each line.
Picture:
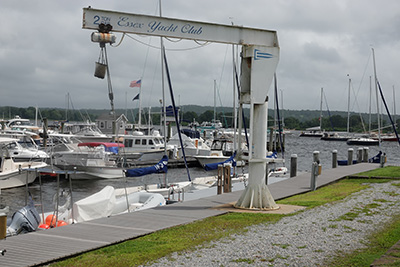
x,y
190,116
206,116
292,123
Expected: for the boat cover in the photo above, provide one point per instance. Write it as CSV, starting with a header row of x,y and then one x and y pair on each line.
x,y
109,147
374,159
214,166
160,167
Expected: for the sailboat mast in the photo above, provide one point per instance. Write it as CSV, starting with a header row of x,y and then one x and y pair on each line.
x,y
394,106
370,104
377,98
215,99
283,120
163,97
348,106
320,110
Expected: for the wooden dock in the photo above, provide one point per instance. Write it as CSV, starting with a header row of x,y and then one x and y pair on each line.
x,y
45,246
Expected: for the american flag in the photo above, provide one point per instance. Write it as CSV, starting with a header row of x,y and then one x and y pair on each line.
x,y
137,83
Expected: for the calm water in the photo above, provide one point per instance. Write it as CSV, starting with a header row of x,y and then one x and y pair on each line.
x,y
303,147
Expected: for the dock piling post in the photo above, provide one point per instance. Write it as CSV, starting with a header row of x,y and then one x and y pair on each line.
x,y
365,154
334,159
227,178
316,159
219,179
382,160
350,156
293,165
359,154
314,175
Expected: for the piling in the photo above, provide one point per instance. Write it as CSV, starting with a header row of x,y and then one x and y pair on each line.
x,y
350,156
314,175
3,225
382,160
219,179
334,159
227,178
365,154
293,165
316,159
271,138
359,154
316,156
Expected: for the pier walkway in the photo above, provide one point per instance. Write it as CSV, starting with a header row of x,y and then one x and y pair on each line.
x,y
42,247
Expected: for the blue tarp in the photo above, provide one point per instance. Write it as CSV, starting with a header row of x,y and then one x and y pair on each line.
x,y
160,167
214,166
375,159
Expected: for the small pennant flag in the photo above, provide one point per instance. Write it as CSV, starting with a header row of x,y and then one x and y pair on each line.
x,y
137,83
136,97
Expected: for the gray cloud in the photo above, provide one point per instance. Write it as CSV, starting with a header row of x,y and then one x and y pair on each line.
x,y
46,54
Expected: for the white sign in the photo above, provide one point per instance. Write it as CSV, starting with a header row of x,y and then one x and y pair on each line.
x,y
175,28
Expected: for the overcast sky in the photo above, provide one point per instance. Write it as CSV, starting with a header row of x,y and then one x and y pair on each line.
x,y
45,53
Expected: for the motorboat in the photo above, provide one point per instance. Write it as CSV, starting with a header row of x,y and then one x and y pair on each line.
x,y
362,141
334,137
278,172
312,132
107,202
91,160
143,147
86,132
14,174
25,148
192,146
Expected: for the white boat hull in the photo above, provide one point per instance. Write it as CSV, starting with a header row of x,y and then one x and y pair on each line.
x,y
16,178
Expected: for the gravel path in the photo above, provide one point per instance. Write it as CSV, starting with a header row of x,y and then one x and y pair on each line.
x,y
305,239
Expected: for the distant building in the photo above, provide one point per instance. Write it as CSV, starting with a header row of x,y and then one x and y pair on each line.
x,y
105,123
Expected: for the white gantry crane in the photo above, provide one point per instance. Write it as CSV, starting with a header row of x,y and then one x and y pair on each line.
x,y
260,56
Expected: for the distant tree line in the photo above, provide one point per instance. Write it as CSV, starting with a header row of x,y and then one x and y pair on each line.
x,y
299,120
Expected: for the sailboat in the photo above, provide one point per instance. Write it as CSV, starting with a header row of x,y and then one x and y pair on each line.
x,y
366,141
317,130
336,136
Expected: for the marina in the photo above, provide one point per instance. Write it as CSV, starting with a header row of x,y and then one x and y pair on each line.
x,y
81,237
14,198
119,181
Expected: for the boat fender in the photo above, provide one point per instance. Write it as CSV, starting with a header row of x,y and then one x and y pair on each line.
x,y
44,226
51,220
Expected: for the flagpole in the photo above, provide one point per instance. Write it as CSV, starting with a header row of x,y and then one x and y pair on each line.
x,y
140,104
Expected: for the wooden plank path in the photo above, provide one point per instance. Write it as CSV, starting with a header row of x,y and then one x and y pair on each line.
x,y
42,247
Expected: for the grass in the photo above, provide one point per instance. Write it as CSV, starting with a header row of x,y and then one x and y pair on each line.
x,y
388,171
378,243
162,243
149,248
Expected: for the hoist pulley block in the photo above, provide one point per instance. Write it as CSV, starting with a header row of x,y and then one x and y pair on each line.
x,y
99,37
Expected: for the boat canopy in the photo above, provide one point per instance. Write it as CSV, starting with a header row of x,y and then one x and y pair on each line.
x,y
105,144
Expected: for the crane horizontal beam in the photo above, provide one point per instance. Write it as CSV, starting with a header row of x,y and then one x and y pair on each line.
x,y
176,28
